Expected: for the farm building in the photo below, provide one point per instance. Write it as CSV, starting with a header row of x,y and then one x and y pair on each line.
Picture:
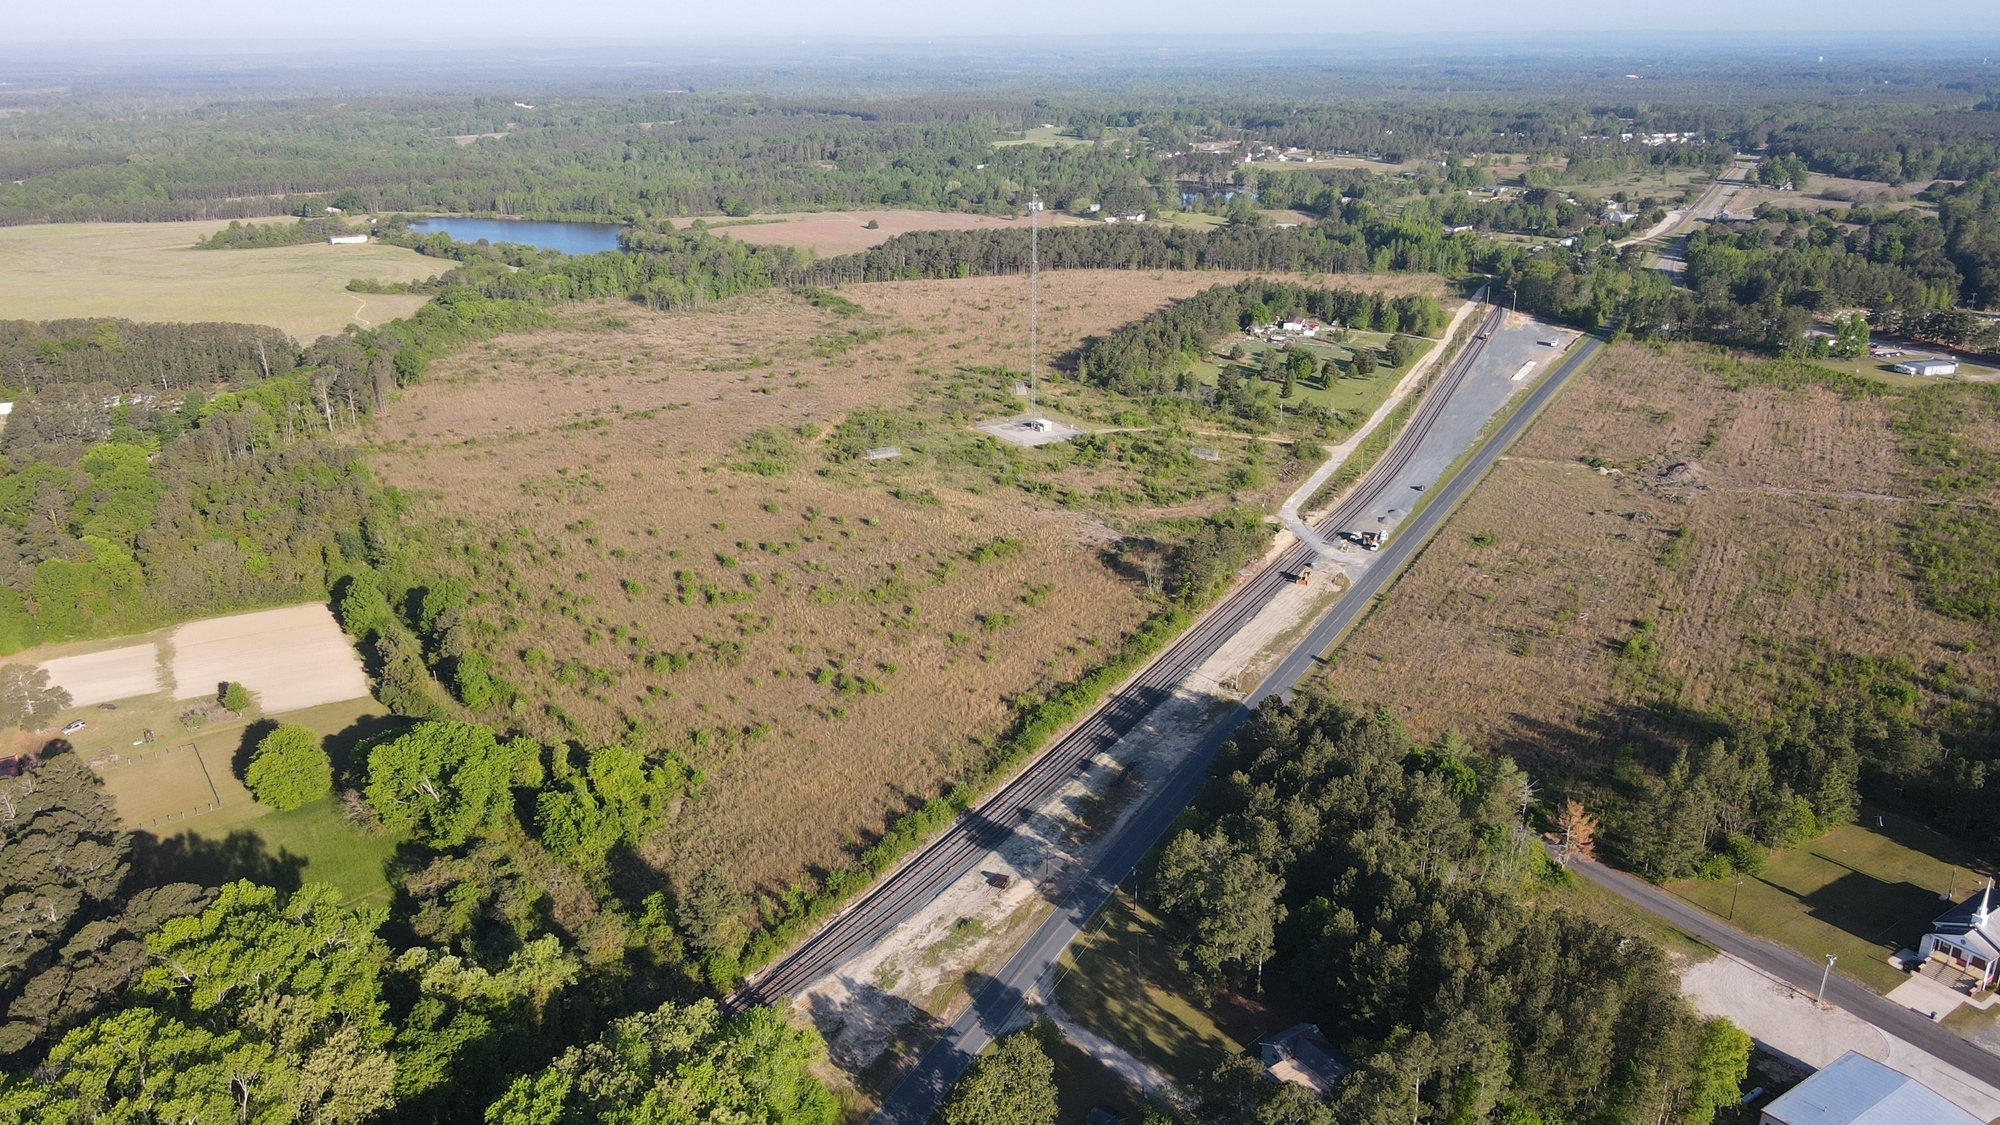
x,y
1856,1090
347,239
1928,367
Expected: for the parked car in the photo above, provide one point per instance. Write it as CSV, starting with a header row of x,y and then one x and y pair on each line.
x,y
74,727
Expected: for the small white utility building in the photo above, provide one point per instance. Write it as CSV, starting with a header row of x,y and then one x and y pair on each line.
x,y
1856,1090
1928,367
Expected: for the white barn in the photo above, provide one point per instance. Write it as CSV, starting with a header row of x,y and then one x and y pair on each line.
x,y
1928,367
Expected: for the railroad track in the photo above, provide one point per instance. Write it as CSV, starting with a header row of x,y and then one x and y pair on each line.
x,y
899,894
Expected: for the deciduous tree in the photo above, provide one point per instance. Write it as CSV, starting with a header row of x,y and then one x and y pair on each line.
x,y
290,768
1012,1084
445,782
678,1064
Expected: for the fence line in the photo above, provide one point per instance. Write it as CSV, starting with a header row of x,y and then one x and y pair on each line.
x,y
171,817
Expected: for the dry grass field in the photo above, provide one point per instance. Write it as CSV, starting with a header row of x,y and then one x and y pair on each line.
x,y
150,271
1758,526
843,232
651,510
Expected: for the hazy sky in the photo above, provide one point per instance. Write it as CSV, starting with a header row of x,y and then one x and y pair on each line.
x,y
380,21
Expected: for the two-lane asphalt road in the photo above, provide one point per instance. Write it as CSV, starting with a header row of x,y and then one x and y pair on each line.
x,y
998,1004
1893,1019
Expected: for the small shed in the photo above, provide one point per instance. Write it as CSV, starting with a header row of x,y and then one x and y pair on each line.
x,y
1928,367
1856,1090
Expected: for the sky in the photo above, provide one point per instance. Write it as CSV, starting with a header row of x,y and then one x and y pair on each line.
x,y
356,22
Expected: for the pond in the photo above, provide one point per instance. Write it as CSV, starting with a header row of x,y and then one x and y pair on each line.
x,y
570,238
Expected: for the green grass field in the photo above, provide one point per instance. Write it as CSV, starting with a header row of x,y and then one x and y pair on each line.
x,y
1357,396
149,271
241,838
1044,136
1882,371
1860,892
1083,1083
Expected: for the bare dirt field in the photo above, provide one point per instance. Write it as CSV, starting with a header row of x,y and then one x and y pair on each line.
x,y
669,545
117,673
1760,528
289,658
150,271
844,232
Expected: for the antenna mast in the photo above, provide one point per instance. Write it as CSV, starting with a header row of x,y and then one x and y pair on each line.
x,y
1034,268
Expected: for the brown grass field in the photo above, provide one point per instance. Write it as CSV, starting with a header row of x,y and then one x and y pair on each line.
x,y
844,232
151,271
847,655
1791,570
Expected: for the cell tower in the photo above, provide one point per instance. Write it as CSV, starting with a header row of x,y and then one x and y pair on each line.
x,y
1034,269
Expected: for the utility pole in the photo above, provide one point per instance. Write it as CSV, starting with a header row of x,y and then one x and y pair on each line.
x,y
1830,959
1732,899
1034,269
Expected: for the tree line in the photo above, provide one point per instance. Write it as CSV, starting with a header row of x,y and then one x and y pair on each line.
x,y
1390,889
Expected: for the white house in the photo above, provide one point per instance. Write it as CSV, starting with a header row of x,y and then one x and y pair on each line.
x,y
347,239
1966,937
1856,1090
1928,367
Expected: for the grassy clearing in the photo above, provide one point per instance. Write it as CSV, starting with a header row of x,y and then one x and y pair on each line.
x,y
1355,396
1120,981
1860,892
668,528
239,838
149,271
1083,1083
673,537
1045,136
1884,372
844,232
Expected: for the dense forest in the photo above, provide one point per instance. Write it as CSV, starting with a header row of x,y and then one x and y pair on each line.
x,y
247,1004
1761,284
1390,889
100,158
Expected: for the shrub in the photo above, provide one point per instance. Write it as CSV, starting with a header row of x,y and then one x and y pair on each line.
x,y
235,697
289,769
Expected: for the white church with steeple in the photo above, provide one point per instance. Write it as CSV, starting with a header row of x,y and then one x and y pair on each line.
x,y
1967,937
